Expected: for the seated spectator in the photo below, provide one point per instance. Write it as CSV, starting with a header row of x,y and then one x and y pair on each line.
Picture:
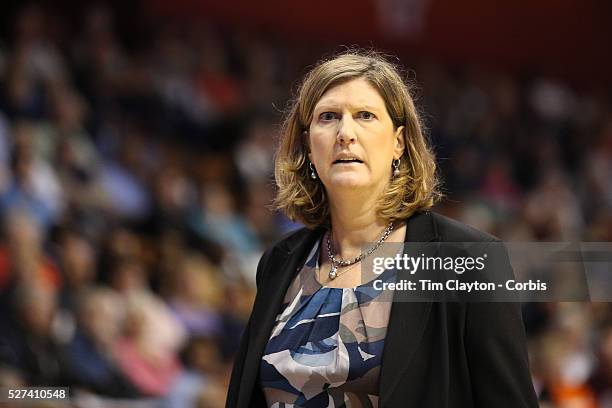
x,y
202,380
148,352
22,258
27,343
89,358
196,296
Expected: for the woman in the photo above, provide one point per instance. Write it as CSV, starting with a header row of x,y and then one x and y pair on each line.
x,y
355,168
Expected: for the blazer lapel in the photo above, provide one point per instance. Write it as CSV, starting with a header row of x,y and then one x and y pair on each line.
x,y
283,265
407,320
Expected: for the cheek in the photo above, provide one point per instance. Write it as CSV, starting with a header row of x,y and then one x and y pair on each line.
x,y
382,167
381,155
319,146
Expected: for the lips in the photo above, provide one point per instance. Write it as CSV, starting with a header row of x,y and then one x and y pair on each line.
x,y
347,161
345,158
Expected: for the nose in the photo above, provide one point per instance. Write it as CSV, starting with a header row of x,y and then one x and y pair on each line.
x,y
346,131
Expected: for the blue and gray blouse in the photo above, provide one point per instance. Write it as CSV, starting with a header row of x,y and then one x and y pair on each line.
x,y
327,343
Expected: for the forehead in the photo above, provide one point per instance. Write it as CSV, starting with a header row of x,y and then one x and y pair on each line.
x,y
356,92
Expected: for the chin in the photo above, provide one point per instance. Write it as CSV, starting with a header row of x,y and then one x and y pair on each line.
x,y
347,181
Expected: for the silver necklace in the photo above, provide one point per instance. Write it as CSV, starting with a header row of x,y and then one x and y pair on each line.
x,y
336,263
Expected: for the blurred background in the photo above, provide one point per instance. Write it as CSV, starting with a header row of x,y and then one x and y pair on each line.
x,y
136,159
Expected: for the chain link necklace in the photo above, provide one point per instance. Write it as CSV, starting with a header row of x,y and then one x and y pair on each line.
x,y
336,263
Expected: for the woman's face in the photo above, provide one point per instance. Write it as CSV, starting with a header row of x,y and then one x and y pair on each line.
x,y
352,140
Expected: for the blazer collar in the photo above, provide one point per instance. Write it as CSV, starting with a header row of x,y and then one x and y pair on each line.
x,y
421,227
302,240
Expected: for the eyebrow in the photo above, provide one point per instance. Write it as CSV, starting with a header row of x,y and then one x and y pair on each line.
x,y
331,105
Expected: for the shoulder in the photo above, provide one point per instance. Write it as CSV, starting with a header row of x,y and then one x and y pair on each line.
x,y
293,243
450,230
294,239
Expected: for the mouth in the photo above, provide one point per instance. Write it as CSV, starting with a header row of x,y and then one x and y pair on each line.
x,y
347,161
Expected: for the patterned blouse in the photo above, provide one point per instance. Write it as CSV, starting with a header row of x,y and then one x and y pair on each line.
x,y
326,346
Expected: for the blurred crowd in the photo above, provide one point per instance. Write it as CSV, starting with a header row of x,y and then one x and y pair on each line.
x,y
135,190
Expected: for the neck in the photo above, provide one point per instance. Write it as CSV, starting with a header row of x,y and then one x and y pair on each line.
x,y
354,223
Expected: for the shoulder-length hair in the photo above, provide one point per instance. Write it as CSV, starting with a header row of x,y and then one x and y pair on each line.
x,y
302,198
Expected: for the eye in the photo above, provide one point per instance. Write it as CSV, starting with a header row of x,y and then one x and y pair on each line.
x,y
367,115
327,116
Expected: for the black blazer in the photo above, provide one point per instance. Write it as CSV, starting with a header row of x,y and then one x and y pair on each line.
x,y
436,355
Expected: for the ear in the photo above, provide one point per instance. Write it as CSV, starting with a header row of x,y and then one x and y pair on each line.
x,y
400,143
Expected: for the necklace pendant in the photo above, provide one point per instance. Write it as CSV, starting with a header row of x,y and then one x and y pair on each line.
x,y
333,272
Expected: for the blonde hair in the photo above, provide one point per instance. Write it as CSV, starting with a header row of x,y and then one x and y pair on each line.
x,y
303,199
